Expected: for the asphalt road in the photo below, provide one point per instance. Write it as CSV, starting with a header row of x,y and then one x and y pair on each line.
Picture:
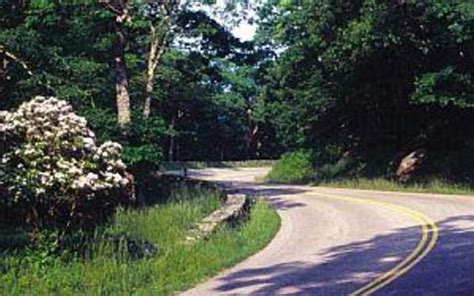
x,y
352,242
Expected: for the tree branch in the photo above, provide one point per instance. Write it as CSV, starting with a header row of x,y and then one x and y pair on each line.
x,y
15,59
107,4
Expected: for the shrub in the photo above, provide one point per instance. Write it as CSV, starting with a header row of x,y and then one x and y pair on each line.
x,y
345,167
141,138
293,167
52,173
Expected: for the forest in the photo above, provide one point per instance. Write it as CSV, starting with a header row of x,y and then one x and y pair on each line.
x,y
99,98
358,84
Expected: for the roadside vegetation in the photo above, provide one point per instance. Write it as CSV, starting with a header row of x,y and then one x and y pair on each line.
x,y
359,85
73,220
349,93
374,90
300,168
175,266
433,186
291,168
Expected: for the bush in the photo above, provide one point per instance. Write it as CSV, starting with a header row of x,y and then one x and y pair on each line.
x,y
141,138
345,167
52,174
293,167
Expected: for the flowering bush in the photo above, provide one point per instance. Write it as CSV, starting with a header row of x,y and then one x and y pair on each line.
x,y
52,173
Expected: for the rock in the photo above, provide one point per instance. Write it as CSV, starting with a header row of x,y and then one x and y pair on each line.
x,y
409,164
235,210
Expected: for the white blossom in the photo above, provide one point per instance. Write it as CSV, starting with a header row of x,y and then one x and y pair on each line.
x,y
46,146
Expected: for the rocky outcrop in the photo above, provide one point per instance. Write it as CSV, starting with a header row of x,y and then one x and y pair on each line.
x,y
410,164
235,209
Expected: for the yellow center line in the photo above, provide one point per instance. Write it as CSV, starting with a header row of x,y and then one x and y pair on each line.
x,y
416,256
429,237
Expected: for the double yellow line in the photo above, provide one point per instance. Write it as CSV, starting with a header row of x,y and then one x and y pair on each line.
x,y
429,236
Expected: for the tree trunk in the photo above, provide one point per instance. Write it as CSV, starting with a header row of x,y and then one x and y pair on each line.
x,y
251,135
120,9
147,105
121,79
157,49
172,140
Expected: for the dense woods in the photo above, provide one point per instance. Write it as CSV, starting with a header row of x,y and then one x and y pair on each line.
x,y
358,84
364,83
165,79
96,95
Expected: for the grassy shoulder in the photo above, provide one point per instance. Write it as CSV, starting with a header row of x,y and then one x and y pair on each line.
x,y
176,267
297,168
433,186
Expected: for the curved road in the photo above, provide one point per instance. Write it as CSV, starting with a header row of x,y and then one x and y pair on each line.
x,y
352,242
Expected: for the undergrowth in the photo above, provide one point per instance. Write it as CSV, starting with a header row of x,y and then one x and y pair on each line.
x,y
175,267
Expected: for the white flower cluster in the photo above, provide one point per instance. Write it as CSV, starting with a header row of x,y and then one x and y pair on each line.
x,y
47,150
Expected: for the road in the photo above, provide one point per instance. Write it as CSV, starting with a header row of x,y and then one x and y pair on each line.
x,y
352,242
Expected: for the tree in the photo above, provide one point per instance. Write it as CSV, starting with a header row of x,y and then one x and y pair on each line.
x,y
178,61
162,17
121,12
371,79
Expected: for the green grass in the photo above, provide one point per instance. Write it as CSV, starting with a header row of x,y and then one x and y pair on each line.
x,y
176,267
296,168
433,186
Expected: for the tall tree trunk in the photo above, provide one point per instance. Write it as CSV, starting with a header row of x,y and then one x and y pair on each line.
x,y
158,42
121,84
121,79
120,9
157,48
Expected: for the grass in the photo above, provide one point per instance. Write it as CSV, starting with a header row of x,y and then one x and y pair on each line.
x,y
433,186
297,168
176,267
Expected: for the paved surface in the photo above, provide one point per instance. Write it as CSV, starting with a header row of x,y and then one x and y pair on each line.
x,y
341,242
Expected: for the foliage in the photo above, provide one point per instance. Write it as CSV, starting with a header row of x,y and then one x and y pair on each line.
x,y
208,110
175,268
374,78
293,167
201,95
142,142
343,167
52,173
445,88
377,79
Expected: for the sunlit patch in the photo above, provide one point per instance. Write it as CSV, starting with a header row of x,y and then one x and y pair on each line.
x,y
460,225
289,290
389,259
360,277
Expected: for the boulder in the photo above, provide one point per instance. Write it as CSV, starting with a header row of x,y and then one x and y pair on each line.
x,y
235,210
410,164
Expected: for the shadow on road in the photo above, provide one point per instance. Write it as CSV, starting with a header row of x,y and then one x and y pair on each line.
x,y
447,270
277,196
273,193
